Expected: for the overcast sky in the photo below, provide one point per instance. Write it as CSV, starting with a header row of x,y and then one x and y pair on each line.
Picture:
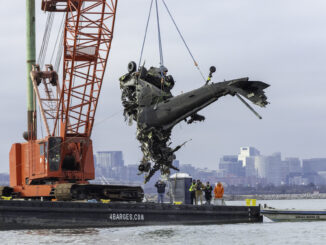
x,y
280,42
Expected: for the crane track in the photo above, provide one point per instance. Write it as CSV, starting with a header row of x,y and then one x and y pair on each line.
x,y
69,192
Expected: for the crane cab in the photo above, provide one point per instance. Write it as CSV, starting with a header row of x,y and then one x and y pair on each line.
x,y
37,166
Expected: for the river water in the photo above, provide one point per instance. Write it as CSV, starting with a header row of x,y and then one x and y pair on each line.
x,y
267,232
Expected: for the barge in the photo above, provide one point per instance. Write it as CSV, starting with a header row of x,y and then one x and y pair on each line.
x,y
53,215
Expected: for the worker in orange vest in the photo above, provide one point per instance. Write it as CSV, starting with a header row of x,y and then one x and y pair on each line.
x,y
219,190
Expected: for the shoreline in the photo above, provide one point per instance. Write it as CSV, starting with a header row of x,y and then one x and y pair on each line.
x,y
228,197
275,196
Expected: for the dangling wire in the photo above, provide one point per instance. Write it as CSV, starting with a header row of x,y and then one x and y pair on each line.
x,y
145,36
195,62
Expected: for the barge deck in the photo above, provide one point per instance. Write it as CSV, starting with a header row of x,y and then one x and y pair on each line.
x,y
52,215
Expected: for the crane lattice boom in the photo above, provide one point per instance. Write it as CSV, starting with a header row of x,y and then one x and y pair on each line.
x,y
87,41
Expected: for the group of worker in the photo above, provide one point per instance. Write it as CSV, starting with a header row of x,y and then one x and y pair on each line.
x,y
196,191
197,188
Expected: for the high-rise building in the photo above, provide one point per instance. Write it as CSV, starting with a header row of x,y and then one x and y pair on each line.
x,y
322,179
314,165
110,163
231,166
109,159
245,152
262,166
294,165
271,168
247,157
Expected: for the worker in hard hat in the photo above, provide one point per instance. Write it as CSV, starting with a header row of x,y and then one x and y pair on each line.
x,y
199,192
192,191
218,194
219,190
208,193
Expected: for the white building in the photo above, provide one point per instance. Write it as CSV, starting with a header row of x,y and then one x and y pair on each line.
x,y
247,156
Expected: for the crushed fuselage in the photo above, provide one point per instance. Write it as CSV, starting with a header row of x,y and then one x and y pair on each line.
x,y
147,100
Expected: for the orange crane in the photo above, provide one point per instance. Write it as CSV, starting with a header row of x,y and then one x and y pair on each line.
x,y
61,164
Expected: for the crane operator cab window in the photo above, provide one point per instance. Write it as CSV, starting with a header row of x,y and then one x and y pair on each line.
x,y
44,150
54,153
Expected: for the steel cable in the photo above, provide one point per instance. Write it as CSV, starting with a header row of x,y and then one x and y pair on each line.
x,y
159,37
59,54
145,36
46,38
58,39
175,24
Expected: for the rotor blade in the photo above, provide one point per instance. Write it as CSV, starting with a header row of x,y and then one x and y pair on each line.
x,y
250,108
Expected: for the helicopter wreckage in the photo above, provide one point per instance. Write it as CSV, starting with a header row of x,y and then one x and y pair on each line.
x,y
147,100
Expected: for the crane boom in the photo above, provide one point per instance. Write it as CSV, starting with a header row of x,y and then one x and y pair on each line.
x,y
87,41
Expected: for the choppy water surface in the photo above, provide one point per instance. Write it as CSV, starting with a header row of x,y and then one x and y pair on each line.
x,y
265,233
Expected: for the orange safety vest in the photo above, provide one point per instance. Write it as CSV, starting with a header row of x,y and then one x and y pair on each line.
x,y
219,191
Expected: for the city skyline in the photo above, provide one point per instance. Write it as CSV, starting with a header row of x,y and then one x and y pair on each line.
x,y
248,168
218,158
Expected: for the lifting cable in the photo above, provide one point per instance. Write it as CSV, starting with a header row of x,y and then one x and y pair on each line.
x,y
45,43
58,42
58,45
38,112
42,53
59,53
145,36
46,38
195,62
160,38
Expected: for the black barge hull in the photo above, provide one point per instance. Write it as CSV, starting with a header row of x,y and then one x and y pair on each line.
x,y
53,215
